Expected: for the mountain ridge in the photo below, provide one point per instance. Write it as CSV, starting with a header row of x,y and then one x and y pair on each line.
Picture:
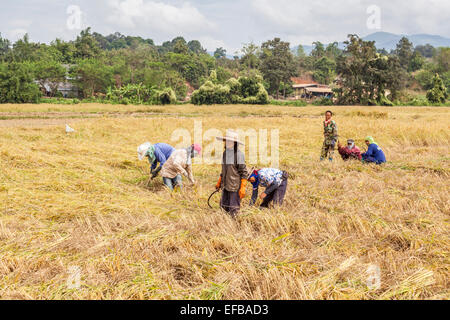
x,y
388,41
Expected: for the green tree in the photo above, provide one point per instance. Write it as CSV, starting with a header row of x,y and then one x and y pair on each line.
x,y
192,68
318,50
404,51
277,64
50,73
220,53
442,59
223,74
425,79
5,47
250,59
417,62
365,75
300,51
324,70
24,50
332,51
86,46
180,47
427,51
92,76
17,83
195,47
438,94
67,50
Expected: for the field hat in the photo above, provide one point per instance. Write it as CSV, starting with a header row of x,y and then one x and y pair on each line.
x,y
371,140
231,136
351,143
143,150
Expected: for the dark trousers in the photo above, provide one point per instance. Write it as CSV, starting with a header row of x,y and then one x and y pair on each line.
x,y
231,202
277,196
372,160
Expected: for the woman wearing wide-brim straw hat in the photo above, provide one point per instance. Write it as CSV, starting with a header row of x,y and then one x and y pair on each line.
x,y
233,178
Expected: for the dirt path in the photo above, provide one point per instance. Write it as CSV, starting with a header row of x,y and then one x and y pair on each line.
x,y
38,119
14,123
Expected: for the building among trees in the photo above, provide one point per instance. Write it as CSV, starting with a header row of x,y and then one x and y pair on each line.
x,y
309,89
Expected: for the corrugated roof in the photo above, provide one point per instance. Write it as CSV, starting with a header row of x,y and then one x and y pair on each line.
x,y
299,86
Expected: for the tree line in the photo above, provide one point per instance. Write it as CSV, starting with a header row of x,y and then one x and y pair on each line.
x,y
125,69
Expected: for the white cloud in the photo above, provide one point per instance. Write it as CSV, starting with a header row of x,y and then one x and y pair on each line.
x,y
157,16
333,20
226,23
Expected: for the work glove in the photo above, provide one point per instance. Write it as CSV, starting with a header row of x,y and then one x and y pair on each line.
x,y
242,189
219,183
155,173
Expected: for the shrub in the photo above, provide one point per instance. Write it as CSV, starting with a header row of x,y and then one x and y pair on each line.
x,y
383,101
438,94
296,103
17,83
140,94
418,102
244,90
323,102
166,96
425,79
211,93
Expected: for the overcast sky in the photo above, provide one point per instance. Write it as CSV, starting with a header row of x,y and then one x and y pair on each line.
x,y
225,23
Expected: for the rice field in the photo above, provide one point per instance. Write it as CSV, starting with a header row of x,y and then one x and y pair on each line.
x,y
76,208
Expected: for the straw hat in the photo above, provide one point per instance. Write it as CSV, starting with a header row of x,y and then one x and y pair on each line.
x,y
231,136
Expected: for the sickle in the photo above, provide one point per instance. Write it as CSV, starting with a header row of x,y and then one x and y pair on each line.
x,y
209,199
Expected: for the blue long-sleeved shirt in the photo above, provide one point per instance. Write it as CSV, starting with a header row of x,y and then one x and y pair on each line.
x,y
374,154
162,154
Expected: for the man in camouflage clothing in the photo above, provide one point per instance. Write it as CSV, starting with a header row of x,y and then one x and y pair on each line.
x,y
331,136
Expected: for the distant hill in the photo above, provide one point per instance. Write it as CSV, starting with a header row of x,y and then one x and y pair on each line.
x,y
389,41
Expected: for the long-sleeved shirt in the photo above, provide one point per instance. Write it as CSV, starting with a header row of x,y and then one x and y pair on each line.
x,y
330,131
233,170
178,164
348,154
162,153
269,178
374,154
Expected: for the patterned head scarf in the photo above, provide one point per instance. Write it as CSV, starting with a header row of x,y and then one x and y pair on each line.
x,y
151,154
256,176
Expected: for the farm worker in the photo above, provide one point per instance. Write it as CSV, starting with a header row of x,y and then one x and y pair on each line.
x,y
350,152
374,154
180,163
275,181
233,178
158,153
331,135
